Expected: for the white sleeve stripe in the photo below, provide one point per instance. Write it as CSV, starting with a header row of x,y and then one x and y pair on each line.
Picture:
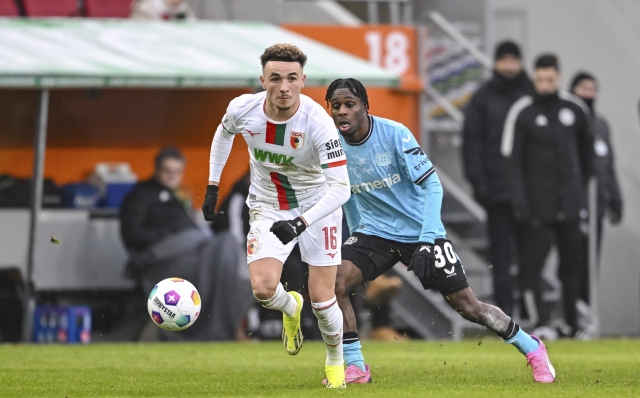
x,y
567,96
425,176
510,124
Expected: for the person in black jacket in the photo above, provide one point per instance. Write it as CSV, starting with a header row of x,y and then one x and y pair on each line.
x,y
549,146
152,211
609,200
163,240
485,167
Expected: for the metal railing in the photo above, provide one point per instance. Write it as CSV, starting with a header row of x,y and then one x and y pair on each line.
x,y
400,11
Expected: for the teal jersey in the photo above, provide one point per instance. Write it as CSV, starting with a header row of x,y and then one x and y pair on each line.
x,y
395,192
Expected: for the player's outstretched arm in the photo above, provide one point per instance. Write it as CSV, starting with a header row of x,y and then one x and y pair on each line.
x,y
336,195
417,168
220,150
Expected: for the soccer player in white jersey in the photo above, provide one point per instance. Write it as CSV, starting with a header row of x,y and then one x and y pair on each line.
x,y
394,216
299,182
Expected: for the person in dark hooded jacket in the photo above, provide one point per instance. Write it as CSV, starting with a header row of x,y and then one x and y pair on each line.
x,y
609,201
484,165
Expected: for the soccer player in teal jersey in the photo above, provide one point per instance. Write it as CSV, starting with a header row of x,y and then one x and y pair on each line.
x,y
394,216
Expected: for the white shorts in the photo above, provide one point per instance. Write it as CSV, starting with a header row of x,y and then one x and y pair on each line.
x,y
320,243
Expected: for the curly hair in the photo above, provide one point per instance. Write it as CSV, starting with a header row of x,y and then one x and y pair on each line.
x,y
354,85
283,52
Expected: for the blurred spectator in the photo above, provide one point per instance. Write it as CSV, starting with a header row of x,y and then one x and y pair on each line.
x,y
609,199
485,167
585,86
164,240
549,145
166,10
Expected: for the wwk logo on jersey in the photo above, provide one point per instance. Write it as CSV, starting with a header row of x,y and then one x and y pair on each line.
x,y
274,158
297,140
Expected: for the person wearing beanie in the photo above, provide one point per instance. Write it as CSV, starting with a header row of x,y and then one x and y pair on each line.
x,y
585,86
484,166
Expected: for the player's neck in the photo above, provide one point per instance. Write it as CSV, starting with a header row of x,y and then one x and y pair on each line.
x,y
280,115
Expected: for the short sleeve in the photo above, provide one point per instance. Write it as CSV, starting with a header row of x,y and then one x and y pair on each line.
x,y
418,165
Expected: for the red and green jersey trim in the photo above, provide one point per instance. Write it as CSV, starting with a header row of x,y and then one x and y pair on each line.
x,y
275,133
286,195
334,164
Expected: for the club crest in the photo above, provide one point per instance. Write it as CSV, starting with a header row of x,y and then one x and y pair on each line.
x,y
252,246
383,159
297,140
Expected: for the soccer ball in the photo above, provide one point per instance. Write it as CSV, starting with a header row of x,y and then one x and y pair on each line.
x,y
174,304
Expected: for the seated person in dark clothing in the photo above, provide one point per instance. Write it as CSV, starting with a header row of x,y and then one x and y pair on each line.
x,y
164,240
152,211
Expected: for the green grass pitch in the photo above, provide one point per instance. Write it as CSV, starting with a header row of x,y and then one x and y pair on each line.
x,y
605,368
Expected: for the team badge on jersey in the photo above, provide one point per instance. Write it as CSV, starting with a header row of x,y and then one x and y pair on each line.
x,y
252,246
383,159
297,140
566,116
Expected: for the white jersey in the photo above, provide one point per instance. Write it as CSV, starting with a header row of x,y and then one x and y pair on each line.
x,y
287,158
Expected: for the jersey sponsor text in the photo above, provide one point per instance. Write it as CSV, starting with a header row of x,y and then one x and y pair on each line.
x,y
377,184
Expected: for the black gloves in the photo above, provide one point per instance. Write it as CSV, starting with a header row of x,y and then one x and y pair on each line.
x,y
287,231
210,201
423,262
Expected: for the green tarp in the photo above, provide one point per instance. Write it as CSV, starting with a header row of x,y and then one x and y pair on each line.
x,y
123,53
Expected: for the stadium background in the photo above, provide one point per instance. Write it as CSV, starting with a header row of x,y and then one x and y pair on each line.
x,y
587,34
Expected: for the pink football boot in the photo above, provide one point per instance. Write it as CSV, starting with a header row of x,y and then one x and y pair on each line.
x,y
353,375
543,371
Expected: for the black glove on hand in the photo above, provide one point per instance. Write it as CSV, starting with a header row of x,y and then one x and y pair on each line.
x,y
210,201
423,262
287,231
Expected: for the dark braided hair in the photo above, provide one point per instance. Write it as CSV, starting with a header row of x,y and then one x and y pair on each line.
x,y
353,85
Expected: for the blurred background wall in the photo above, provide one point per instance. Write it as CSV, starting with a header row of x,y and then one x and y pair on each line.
x,y
602,37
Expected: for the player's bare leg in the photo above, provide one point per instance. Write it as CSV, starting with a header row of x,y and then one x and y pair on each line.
x,y
322,281
267,289
348,278
467,305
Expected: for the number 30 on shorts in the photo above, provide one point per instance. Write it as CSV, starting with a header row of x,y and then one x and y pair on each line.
x,y
450,255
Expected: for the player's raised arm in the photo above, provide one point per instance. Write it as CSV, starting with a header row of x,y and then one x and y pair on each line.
x,y
334,166
220,150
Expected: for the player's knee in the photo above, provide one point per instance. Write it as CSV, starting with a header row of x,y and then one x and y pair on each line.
x,y
344,286
341,288
347,279
262,289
